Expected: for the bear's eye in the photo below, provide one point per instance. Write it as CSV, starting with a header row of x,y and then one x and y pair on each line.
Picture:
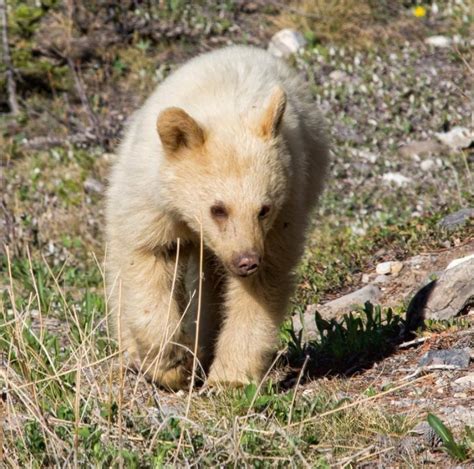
x,y
219,211
264,211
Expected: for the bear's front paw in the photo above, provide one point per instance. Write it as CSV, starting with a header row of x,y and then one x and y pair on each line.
x,y
175,378
221,377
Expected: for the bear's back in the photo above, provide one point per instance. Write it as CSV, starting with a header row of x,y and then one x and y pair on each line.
x,y
224,82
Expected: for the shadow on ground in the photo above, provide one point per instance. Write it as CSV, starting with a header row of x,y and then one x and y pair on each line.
x,y
347,346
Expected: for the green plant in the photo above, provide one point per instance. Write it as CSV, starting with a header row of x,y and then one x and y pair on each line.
x,y
357,339
458,451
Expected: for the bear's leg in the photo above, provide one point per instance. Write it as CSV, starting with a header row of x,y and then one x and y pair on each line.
x,y
152,302
249,336
211,304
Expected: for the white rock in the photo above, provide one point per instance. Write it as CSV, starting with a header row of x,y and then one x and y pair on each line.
x,y
438,41
466,381
286,42
389,267
397,178
426,165
460,260
457,138
365,278
338,76
384,268
366,155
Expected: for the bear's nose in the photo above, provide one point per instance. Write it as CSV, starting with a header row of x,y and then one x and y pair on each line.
x,y
246,263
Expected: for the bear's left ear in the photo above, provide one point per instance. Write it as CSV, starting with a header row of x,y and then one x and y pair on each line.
x,y
270,121
178,130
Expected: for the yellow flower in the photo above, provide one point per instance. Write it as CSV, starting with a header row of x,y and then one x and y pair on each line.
x,y
419,11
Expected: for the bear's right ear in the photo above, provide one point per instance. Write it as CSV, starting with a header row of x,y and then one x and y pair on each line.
x,y
178,130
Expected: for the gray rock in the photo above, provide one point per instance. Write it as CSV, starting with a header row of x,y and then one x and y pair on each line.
x,y
286,42
445,298
334,309
458,416
458,358
424,430
457,219
381,279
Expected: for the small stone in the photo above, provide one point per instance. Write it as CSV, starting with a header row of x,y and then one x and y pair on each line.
x,y
338,76
426,165
389,267
420,148
384,268
421,428
457,138
466,381
286,43
397,178
458,358
457,219
438,41
365,278
396,267
93,185
459,261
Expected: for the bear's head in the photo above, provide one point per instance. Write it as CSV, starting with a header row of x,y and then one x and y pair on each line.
x,y
228,179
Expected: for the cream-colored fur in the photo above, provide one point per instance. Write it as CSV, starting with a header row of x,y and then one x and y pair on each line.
x,y
234,129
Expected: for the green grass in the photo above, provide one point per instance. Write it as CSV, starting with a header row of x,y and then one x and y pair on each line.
x,y
65,395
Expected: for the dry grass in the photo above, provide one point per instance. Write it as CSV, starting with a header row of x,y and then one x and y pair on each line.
x,y
69,400
361,23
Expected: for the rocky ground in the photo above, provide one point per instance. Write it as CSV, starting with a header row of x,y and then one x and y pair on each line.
x,y
392,80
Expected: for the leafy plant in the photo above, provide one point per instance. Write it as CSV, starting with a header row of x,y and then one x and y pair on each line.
x,y
456,450
358,338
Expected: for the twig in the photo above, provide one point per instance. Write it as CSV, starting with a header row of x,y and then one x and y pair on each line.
x,y
11,85
423,370
290,413
413,343
77,412
93,121
354,457
368,456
